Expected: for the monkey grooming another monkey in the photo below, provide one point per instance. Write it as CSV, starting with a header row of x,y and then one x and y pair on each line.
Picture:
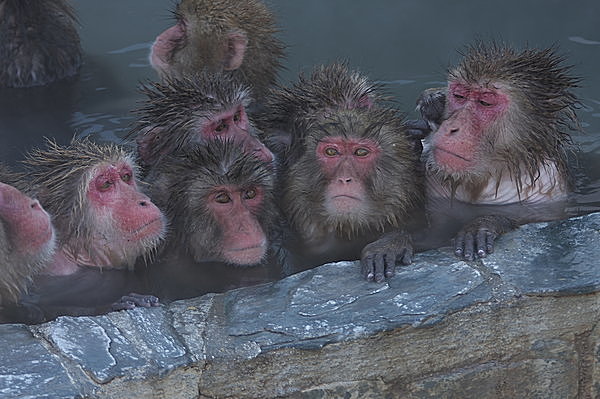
x,y
39,43
503,138
101,216
26,239
196,109
231,36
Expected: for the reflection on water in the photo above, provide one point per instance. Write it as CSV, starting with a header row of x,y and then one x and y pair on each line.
x,y
406,45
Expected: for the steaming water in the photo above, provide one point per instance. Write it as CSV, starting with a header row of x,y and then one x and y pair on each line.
x,y
407,44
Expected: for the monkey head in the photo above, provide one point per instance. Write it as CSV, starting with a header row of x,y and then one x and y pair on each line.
x,y
356,173
102,217
506,112
198,109
220,202
235,36
26,240
329,87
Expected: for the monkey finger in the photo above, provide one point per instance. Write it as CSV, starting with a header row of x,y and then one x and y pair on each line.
x,y
366,267
469,246
407,256
417,128
459,244
379,268
122,305
144,301
481,243
490,238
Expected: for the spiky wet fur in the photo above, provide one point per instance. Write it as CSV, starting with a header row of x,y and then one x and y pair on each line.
x,y
332,86
39,43
182,183
212,21
394,189
18,269
536,133
175,107
62,175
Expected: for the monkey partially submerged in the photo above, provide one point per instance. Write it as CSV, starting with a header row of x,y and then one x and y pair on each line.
x,y
351,175
196,109
39,42
101,216
503,138
232,36
220,203
27,239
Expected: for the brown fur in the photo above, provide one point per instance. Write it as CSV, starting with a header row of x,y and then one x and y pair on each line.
x,y
209,21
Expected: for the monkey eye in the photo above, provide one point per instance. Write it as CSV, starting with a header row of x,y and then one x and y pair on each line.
x,y
105,186
331,152
249,194
222,126
485,103
237,116
456,95
126,177
222,198
361,152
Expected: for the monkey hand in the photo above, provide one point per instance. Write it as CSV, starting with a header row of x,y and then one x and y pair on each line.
x,y
378,259
476,240
134,300
431,104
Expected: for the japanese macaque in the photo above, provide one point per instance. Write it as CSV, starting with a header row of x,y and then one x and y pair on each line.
x,y
220,203
26,239
289,112
502,138
232,36
39,42
351,177
101,217
196,109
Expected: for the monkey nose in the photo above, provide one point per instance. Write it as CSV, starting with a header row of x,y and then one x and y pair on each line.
x,y
345,180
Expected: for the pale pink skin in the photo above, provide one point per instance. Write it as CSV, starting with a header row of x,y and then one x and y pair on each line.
x,y
243,241
346,163
164,45
472,110
233,124
30,227
123,218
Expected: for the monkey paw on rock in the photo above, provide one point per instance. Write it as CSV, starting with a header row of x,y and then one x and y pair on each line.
x,y
133,300
379,258
476,240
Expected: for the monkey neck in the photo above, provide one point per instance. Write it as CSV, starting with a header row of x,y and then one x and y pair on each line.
x,y
507,188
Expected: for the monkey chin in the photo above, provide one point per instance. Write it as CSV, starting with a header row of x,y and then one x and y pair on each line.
x,y
248,256
340,205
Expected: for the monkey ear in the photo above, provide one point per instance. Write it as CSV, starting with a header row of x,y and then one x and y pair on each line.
x,y
236,43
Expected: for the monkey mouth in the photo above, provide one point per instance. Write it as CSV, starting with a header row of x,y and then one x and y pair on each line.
x,y
438,149
153,227
246,256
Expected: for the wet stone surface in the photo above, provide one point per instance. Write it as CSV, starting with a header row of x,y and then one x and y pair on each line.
x,y
551,258
305,313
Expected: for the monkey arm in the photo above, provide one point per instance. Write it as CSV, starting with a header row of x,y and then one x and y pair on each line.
x,y
378,259
476,240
